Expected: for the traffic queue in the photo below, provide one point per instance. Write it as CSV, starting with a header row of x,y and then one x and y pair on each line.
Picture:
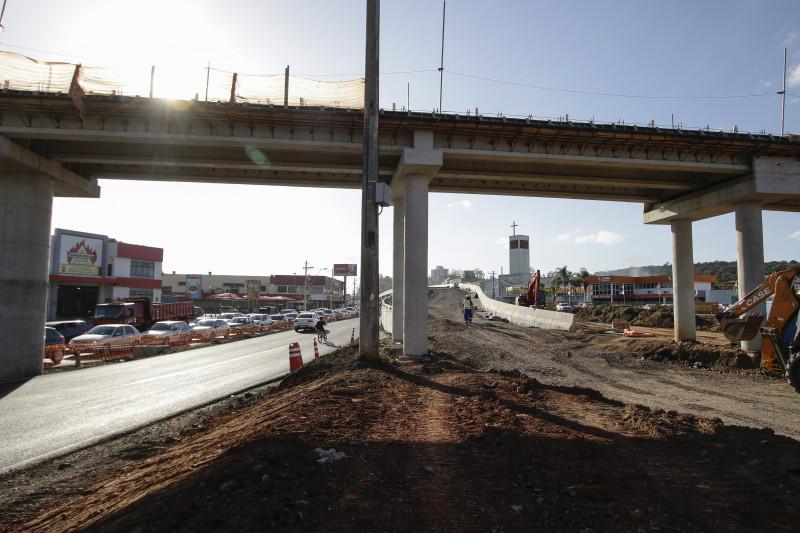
x,y
106,341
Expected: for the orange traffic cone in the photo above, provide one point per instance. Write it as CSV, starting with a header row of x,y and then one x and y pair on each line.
x,y
316,350
295,357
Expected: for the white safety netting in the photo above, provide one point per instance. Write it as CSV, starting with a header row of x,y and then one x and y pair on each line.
x,y
20,73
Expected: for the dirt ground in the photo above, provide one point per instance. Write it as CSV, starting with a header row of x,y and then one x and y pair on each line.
x,y
495,431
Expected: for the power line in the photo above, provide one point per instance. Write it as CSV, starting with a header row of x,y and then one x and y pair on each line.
x,y
574,91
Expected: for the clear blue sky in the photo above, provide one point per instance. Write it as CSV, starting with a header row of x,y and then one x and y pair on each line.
x,y
695,64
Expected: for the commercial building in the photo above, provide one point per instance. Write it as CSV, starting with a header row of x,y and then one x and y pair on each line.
x,y
210,291
88,268
643,290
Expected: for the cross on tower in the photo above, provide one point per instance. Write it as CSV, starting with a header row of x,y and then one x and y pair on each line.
x,y
514,228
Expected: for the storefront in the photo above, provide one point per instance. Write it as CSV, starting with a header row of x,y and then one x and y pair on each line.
x,y
87,269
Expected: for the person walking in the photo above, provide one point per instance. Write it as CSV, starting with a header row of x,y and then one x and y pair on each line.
x,y
467,304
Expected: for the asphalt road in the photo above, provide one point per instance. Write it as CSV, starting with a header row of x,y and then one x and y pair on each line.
x,y
53,414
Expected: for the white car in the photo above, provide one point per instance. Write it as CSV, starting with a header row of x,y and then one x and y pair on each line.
x,y
306,321
170,332
563,306
107,336
261,320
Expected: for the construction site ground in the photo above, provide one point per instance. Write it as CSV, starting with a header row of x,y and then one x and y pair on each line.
x,y
502,428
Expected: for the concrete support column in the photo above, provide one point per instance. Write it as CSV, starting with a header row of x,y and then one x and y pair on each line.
x,y
398,269
683,280
750,258
415,300
26,203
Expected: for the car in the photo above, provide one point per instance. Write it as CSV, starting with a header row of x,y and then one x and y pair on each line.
x,y
198,311
306,321
242,325
208,329
650,306
69,328
169,332
278,318
228,316
563,306
290,314
54,345
353,311
105,337
260,320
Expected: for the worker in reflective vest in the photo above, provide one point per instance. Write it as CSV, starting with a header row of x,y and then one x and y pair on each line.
x,y
467,310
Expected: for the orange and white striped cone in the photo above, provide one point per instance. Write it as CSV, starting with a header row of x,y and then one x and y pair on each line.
x,y
295,357
353,336
316,350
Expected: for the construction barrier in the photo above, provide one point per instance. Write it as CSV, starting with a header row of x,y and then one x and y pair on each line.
x,y
295,357
55,353
101,352
353,336
316,350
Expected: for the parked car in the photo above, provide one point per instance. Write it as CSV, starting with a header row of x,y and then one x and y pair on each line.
x,y
586,305
305,321
198,311
169,332
208,329
54,345
69,328
228,316
278,318
563,306
106,336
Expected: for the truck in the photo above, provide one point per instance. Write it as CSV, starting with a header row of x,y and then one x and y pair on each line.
x,y
141,313
780,334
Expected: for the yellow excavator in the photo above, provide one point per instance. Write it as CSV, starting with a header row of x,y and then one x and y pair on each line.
x,y
780,334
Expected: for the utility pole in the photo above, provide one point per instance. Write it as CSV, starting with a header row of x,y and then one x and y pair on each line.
x,y
305,286
493,284
368,321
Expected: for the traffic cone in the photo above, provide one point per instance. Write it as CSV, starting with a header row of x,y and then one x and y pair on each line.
x,y
316,350
295,357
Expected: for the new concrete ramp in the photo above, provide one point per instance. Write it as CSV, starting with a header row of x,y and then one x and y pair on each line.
x,y
525,316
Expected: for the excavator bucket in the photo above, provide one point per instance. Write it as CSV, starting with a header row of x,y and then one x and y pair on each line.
x,y
741,329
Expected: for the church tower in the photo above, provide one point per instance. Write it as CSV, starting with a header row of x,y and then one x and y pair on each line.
x,y
519,256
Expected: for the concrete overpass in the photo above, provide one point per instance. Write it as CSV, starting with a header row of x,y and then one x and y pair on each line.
x,y
52,145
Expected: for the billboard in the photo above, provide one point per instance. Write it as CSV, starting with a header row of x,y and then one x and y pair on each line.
x,y
253,289
344,269
80,255
194,286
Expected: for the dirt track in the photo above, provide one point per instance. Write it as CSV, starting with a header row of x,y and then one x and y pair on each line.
x,y
450,445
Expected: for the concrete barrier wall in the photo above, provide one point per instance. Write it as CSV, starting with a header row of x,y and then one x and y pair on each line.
x,y
386,313
525,316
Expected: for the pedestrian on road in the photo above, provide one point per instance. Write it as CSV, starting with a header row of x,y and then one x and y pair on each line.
x,y
467,303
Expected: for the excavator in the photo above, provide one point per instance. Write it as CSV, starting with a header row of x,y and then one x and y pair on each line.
x,y
532,298
780,334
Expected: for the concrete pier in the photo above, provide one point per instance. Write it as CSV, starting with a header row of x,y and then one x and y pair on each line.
x,y
26,200
398,268
683,280
750,260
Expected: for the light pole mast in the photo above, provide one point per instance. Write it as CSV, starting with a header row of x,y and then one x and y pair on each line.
x,y
305,286
368,322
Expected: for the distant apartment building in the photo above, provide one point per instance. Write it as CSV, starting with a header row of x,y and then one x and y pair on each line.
x,y
438,275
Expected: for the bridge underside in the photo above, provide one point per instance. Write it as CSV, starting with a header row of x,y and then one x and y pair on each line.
x,y
49,147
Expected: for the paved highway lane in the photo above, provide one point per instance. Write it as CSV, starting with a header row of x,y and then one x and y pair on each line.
x,y
56,413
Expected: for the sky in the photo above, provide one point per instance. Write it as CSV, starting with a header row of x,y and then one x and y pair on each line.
x,y
692,64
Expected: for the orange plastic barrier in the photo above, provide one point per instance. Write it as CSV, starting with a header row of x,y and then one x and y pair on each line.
x,y
55,353
353,336
295,357
634,333
316,350
101,353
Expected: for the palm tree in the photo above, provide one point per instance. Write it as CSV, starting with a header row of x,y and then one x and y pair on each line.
x,y
562,276
581,277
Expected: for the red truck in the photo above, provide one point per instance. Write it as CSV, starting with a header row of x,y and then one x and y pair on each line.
x,y
141,313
